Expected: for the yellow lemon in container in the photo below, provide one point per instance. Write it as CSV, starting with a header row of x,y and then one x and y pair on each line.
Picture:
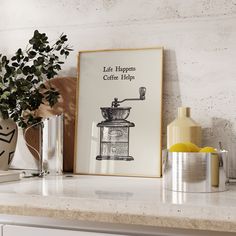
x,y
208,149
192,147
179,147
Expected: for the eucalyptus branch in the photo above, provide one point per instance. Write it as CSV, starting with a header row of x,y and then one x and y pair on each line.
x,y
26,73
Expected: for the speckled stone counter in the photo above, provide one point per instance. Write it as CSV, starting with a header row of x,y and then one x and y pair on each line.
x,y
137,201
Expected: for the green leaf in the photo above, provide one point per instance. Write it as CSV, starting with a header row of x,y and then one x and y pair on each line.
x,y
22,124
64,38
19,52
23,105
26,59
15,64
36,34
18,71
58,48
4,59
35,62
42,86
5,95
26,70
52,96
18,59
34,81
33,69
37,72
32,54
48,49
32,41
29,77
57,67
40,60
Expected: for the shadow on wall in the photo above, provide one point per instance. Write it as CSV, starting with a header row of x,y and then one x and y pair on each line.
x,y
171,92
222,131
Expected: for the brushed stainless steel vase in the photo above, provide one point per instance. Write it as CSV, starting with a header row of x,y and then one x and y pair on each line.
x,y
195,172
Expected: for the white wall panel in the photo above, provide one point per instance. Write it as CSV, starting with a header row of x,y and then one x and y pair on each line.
x,y
198,35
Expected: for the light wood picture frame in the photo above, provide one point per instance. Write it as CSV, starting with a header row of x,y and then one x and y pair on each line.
x,y
119,112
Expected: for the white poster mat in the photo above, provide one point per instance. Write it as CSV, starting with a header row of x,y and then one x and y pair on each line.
x,y
104,75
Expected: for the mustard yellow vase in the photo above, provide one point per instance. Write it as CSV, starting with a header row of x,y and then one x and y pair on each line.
x,y
184,129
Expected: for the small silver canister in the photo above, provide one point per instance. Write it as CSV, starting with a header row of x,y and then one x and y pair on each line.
x,y
195,172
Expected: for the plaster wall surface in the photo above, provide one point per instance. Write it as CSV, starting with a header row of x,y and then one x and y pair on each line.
x,y
199,37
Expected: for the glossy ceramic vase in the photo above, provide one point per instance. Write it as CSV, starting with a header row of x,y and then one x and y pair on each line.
x,y
8,139
184,129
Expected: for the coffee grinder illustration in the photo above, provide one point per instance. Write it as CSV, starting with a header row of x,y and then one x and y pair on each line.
x,y
114,130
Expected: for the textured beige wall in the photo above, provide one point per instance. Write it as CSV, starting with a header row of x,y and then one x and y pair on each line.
x,y
199,37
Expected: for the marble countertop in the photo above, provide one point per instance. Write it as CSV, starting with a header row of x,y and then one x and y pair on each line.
x,y
137,201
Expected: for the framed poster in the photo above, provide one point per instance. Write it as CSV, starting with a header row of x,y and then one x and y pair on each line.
x,y
119,110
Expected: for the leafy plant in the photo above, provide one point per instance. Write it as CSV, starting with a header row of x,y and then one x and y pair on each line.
x,y
25,78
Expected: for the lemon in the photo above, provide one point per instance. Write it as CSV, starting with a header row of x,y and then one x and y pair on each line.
x,y
208,149
179,147
192,147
